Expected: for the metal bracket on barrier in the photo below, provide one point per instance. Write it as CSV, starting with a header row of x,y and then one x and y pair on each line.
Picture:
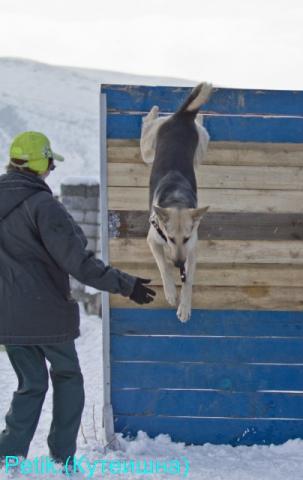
x,y
108,421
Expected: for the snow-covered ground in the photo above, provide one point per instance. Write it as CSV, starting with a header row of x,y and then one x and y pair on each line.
x,y
208,462
62,102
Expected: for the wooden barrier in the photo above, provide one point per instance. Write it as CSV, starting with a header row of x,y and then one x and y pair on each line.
x,y
233,373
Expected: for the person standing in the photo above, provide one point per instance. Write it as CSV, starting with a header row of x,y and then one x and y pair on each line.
x,y
40,245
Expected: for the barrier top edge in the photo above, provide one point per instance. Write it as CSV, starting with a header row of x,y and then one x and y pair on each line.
x,y
141,98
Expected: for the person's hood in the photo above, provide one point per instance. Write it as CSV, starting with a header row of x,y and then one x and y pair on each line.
x,y
15,187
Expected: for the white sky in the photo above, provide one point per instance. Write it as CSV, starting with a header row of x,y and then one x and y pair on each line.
x,y
240,43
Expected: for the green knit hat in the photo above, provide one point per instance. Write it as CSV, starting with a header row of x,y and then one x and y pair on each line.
x,y
35,148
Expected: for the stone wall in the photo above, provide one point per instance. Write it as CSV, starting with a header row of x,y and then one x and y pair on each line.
x,y
81,198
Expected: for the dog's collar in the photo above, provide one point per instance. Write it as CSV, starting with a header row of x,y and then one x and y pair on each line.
x,y
154,224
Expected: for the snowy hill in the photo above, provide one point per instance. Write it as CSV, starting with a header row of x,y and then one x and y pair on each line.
x,y
62,102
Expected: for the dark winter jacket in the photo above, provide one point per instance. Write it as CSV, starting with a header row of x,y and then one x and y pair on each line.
x,y
40,245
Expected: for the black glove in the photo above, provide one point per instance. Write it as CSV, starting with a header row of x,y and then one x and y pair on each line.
x,y
140,293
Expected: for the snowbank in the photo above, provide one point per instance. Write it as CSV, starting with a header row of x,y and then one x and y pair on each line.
x,y
80,180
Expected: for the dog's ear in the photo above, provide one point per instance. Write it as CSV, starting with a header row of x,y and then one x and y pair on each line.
x,y
197,213
162,213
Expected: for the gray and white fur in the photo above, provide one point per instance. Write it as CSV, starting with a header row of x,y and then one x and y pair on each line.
x,y
174,144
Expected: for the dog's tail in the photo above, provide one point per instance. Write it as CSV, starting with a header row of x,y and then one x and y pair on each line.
x,y
199,95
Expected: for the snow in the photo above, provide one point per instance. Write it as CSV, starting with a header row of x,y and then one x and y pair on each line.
x,y
63,103
91,290
207,462
81,180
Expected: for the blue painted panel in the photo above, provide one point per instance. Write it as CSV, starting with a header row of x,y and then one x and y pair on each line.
x,y
217,376
217,431
222,128
125,98
161,321
207,349
234,341
198,403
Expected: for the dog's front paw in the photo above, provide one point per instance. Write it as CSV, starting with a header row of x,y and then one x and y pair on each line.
x,y
184,312
170,293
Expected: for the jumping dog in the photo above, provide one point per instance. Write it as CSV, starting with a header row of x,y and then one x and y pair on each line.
x,y
175,146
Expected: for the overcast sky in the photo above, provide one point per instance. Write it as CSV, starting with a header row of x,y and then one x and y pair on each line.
x,y
239,43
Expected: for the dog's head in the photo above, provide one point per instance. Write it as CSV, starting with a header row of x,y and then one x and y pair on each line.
x,y
180,226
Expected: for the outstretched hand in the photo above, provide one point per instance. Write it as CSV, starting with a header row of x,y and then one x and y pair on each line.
x,y
142,294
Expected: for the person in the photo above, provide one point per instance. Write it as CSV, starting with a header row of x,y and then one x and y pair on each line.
x,y
40,245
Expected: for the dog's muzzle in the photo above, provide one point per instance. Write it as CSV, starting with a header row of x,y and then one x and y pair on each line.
x,y
177,264
181,266
182,274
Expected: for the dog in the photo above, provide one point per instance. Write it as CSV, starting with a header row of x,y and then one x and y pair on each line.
x,y
175,146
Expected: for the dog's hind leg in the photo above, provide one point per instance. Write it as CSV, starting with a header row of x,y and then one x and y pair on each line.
x,y
203,141
184,309
148,140
148,135
166,270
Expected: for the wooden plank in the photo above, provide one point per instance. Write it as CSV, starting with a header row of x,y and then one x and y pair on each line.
x,y
223,100
227,298
227,323
215,251
214,176
222,128
217,225
217,376
207,404
224,275
221,153
216,431
219,200
207,349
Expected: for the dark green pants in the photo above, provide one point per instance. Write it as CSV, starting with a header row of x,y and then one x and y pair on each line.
x,y
29,363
